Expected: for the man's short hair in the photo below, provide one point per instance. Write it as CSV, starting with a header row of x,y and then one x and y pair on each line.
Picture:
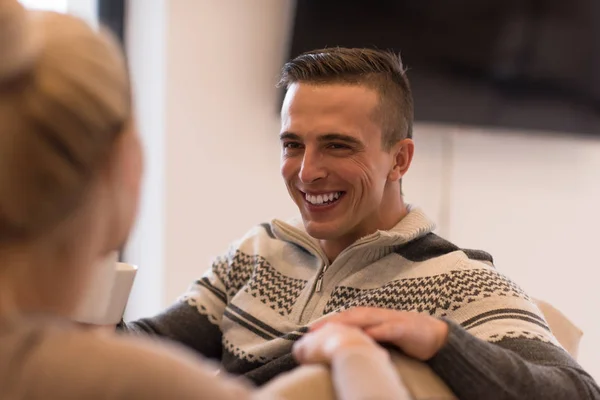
x,y
379,70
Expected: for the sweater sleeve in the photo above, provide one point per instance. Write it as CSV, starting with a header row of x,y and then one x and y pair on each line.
x,y
512,369
499,345
195,318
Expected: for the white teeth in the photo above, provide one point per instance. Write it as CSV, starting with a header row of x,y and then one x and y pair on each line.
x,y
322,198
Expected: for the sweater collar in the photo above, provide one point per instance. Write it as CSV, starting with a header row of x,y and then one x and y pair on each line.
x,y
371,247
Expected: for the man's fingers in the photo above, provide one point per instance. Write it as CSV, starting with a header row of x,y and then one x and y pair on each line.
x,y
299,352
350,318
360,317
322,345
387,332
316,346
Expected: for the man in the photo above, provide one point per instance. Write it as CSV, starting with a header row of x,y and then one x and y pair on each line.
x,y
346,129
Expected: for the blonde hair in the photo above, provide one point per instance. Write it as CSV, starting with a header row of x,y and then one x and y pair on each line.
x,y
64,100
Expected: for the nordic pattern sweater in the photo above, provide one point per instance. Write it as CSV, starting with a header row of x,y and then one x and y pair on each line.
x,y
259,296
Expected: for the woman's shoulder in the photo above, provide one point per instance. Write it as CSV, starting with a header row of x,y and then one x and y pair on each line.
x,y
54,359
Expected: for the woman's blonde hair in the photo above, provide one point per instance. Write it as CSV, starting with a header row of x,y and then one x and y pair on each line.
x,y
64,100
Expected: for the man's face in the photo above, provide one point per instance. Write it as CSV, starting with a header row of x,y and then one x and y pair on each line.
x,y
333,162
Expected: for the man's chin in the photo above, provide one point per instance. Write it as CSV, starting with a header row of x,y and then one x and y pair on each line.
x,y
322,230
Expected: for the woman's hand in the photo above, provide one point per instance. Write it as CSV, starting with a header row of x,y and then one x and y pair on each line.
x,y
320,346
418,335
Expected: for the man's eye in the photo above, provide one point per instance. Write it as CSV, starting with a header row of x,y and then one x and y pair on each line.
x,y
337,146
291,145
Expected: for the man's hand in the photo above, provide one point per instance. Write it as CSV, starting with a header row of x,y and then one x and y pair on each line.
x,y
322,345
418,335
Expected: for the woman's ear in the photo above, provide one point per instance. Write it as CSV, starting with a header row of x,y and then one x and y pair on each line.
x,y
123,180
402,158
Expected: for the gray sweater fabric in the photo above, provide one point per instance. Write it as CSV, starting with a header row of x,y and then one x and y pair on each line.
x,y
259,297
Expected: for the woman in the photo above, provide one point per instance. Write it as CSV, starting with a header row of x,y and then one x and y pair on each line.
x,y
70,168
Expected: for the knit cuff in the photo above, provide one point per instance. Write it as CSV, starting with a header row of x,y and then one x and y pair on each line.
x,y
464,361
454,357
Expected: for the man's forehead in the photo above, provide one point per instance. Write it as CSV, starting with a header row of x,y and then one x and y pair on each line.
x,y
323,127
317,121
328,101
329,95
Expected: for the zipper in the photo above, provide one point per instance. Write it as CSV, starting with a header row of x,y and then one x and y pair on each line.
x,y
319,285
308,307
313,301
320,282
300,238
364,241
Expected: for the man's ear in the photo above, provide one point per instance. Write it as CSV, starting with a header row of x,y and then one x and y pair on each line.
x,y
403,153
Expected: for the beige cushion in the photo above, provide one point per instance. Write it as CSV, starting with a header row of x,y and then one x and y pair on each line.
x,y
314,382
567,334
305,382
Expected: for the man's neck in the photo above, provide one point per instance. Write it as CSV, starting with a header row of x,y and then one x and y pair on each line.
x,y
333,248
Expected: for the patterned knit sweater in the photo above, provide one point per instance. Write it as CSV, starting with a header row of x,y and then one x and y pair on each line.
x,y
259,297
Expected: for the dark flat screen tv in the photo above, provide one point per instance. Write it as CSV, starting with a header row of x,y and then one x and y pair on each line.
x,y
523,64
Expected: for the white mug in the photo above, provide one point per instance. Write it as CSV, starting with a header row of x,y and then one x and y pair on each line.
x,y
107,293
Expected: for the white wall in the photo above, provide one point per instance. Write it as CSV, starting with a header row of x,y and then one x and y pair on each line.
x,y
531,200
210,125
146,44
222,128
86,9
204,75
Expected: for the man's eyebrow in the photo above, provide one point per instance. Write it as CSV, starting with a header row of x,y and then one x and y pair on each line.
x,y
288,136
328,137
341,137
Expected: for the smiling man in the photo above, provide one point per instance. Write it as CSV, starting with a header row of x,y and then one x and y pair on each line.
x,y
340,169
346,143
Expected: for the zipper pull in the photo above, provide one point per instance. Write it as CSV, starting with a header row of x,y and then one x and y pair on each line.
x,y
319,283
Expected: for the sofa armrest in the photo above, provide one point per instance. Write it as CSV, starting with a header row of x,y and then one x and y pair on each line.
x,y
314,382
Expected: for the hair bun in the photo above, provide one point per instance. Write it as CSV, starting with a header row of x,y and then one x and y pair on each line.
x,y
18,47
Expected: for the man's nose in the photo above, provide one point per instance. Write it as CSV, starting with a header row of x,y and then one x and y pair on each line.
x,y
312,168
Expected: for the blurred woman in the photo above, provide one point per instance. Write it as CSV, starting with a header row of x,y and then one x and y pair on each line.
x,y
70,170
